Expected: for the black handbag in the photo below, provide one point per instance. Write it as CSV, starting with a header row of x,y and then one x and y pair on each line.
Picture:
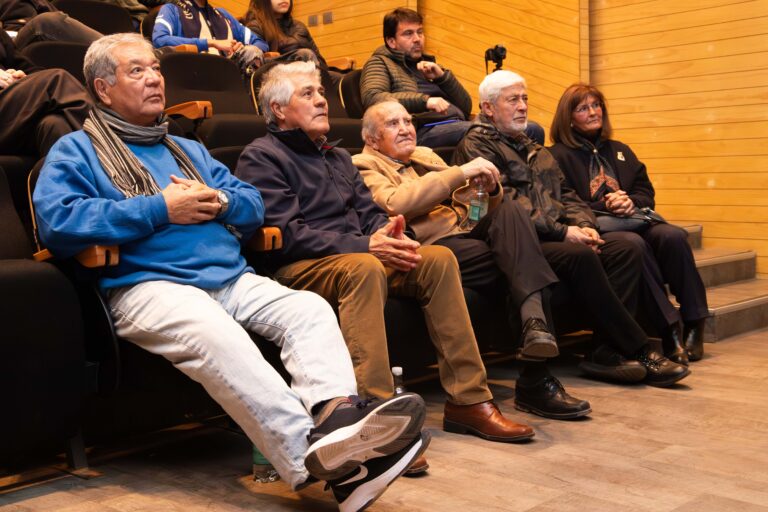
x,y
638,221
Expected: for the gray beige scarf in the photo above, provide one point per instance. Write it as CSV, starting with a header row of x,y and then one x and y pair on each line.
x,y
109,133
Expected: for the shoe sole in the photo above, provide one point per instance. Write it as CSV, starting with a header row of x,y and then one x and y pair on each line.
x,y
670,381
541,348
364,496
629,374
552,415
386,430
416,471
458,428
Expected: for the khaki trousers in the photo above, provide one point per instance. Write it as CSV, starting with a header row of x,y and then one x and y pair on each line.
x,y
357,284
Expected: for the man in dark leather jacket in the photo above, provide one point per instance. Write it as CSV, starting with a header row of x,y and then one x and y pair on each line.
x,y
604,275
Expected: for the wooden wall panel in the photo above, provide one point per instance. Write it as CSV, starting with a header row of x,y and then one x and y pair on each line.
x,y
546,43
687,89
356,28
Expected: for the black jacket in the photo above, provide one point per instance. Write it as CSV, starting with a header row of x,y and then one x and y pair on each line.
x,y
297,36
529,174
631,173
314,195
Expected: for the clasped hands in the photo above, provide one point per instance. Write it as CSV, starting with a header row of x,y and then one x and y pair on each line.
x,y
10,76
586,236
190,202
395,250
619,203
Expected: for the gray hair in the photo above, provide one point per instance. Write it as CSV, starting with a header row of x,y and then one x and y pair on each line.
x,y
278,86
491,86
99,61
369,126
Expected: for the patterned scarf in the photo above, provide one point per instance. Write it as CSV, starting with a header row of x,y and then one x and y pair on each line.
x,y
602,177
109,133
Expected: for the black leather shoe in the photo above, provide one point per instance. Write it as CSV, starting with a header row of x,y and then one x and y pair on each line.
x,y
693,339
548,398
607,364
660,371
538,342
671,340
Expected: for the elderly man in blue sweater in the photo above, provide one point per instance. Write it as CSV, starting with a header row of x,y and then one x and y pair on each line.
x,y
182,289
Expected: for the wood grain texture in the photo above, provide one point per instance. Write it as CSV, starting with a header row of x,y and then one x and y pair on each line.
x,y
687,87
699,446
547,43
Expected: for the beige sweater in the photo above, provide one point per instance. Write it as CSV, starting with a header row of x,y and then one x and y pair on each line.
x,y
417,191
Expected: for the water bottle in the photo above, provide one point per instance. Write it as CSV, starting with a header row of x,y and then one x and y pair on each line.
x,y
478,205
397,377
263,471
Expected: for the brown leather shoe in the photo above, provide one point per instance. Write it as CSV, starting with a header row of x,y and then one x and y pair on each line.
x,y
418,467
484,420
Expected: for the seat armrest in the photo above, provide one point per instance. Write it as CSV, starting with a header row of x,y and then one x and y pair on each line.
x,y
92,257
341,64
185,48
267,238
191,110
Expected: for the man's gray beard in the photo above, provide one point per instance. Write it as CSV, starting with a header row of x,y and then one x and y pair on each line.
x,y
514,129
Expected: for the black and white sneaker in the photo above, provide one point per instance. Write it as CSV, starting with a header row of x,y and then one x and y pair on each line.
x,y
359,489
359,430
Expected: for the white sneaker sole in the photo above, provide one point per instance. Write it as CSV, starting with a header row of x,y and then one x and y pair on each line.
x,y
364,496
386,430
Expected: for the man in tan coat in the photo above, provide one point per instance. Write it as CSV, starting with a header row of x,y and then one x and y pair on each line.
x,y
414,182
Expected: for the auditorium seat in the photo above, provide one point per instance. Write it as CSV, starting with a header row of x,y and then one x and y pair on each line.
x,y
105,17
43,371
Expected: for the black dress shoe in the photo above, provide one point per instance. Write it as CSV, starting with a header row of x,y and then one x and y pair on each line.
x,y
671,340
693,338
538,342
548,398
607,364
660,371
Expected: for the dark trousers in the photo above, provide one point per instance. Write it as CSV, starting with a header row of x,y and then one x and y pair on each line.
x,y
503,247
667,258
38,109
606,284
54,26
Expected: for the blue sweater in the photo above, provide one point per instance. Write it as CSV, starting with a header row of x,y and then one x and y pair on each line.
x,y
168,31
77,206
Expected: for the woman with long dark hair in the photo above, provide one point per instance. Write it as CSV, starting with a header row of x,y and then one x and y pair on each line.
x,y
609,177
284,34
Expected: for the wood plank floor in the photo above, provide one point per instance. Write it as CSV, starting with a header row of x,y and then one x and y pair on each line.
x,y
701,446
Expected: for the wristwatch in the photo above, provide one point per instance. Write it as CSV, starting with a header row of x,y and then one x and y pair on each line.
x,y
223,201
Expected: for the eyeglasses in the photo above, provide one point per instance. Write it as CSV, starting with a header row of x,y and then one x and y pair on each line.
x,y
583,109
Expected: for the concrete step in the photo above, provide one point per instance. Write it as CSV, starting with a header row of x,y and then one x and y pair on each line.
x,y
718,266
694,234
736,308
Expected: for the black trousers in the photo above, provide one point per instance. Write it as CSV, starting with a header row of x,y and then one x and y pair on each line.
x,y
503,247
667,258
54,26
40,108
606,284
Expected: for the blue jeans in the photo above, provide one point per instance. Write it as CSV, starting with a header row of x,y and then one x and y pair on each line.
x,y
203,333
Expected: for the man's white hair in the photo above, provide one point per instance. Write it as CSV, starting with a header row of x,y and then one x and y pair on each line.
x,y
278,86
370,128
491,86
100,61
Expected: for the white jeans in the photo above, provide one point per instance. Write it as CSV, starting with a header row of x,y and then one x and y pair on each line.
x,y
202,332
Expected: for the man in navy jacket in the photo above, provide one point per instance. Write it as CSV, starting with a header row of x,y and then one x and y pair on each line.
x,y
337,242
